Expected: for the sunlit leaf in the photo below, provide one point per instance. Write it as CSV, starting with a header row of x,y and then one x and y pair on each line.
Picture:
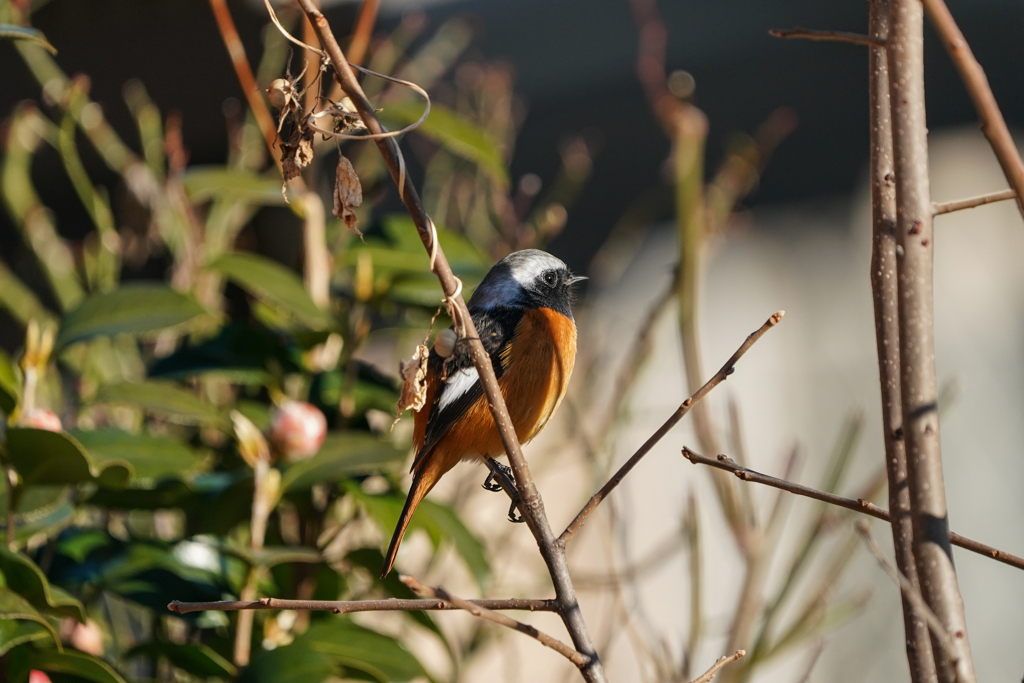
x,y
20,622
166,400
129,309
151,457
45,457
342,455
198,660
26,33
273,284
458,135
207,182
28,581
10,393
75,664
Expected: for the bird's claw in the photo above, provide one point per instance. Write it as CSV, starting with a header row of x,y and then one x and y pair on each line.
x,y
496,468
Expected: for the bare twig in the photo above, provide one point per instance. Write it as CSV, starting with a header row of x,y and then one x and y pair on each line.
x,y
993,125
723,462
910,593
838,36
364,29
887,336
246,79
349,606
717,666
917,329
532,506
439,593
671,422
971,202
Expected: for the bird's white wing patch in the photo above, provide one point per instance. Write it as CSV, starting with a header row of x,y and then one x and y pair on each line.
x,y
457,385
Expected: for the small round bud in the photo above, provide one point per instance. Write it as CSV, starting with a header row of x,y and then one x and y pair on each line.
x,y
36,676
445,343
279,93
297,429
41,418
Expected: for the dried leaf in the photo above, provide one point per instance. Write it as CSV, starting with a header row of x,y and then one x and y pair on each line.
x,y
348,194
414,387
296,151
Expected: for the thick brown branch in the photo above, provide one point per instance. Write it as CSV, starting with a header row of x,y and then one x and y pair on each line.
x,y
477,610
532,506
671,422
723,462
349,606
836,36
885,298
919,386
971,202
717,666
993,125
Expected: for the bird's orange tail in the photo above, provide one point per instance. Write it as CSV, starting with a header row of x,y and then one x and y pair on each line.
x,y
422,482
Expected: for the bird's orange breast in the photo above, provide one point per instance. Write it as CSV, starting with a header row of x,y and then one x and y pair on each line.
x,y
540,360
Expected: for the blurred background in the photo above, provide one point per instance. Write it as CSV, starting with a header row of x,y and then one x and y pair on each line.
x,y
548,136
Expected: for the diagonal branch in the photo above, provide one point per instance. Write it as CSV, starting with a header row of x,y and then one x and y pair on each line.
x,y
532,506
717,666
723,462
836,36
672,421
477,610
993,125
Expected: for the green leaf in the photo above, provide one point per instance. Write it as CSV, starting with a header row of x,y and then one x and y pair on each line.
x,y
28,34
10,391
45,457
468,546
458,135
198,660
273,556
129,309
151,457
208,182
166,400
20,622
355,647
342,455
26,579
273,284
440,522
295,663
74,664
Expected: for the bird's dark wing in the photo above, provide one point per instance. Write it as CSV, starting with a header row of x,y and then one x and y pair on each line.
x,y
461,387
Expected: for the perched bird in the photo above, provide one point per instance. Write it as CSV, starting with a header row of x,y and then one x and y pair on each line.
x,y
522,313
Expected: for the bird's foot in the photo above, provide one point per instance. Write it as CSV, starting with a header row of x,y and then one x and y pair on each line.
x,y
497,470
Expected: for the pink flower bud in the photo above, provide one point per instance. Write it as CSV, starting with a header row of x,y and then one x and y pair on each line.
x,y
88,638
41,418
35,676
297,429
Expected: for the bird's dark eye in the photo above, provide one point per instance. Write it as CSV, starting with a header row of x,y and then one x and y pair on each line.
x,y
549,278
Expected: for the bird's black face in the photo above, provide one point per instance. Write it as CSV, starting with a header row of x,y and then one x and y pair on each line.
x,y
527,279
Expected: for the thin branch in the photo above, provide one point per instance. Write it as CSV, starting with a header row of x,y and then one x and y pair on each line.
x,y
723,462
532,506
439,593
246,79
364,29
971,202
836,36
349,606
885,298
717,666
671,422
911,594
993,125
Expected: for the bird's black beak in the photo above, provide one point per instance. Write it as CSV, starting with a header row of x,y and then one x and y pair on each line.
x,y
576,278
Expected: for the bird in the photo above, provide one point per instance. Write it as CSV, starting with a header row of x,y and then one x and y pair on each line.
x,y
523,315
